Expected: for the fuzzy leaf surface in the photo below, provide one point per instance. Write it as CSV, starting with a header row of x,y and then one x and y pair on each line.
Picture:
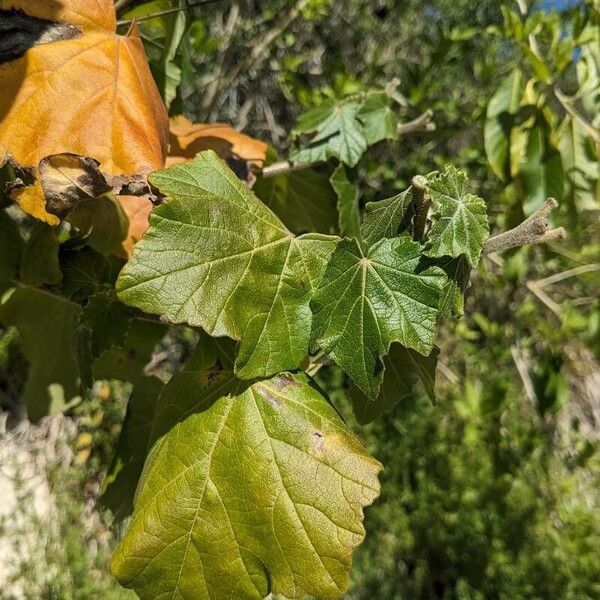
x,y
218,258
257,491
460,224
384,218
367,301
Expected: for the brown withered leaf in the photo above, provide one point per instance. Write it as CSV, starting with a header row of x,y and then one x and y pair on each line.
x,y
68,179
91,95
186,139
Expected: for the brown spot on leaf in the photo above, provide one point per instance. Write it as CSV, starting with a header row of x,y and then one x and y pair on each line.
x,y
284,380
271,398
318,441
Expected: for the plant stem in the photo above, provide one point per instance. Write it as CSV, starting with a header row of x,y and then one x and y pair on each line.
x,y
533,230
422,201
422,123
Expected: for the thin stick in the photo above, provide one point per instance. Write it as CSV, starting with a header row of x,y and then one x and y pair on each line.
x,y
544,298
533,230
421,123
283,167
523,371
589,128
567,274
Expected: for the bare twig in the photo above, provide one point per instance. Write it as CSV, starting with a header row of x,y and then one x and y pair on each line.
x,y
533,230
589,128
541,295
448,373
423,122
213,89
575,272
283,167
537,287
523,370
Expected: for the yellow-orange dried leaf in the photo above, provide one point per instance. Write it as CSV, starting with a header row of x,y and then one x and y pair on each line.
x,y
187,139
91,95
31,200
137,209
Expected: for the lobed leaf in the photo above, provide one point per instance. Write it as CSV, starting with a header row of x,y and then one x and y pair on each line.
x,y
404,369
257,491
460,224
337,133
379,121
384,218
217,258
44,102
367,301
346,189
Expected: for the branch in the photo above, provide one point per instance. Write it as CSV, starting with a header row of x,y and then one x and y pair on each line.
x,y
532,231
283,167
589,128
421,123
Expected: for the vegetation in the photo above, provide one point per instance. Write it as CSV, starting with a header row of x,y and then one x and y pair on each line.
x,y
395,266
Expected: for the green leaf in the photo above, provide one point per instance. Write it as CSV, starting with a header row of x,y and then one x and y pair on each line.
x,y
580,164
379,121
338,133
108,321
303,200
39,263
216,257
48,327
457,272
346,189
11,248
103,223
127,363
261,490
162,36
152,411
404,369
541,172
460,224
86,272
385,218
499,120
366,302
